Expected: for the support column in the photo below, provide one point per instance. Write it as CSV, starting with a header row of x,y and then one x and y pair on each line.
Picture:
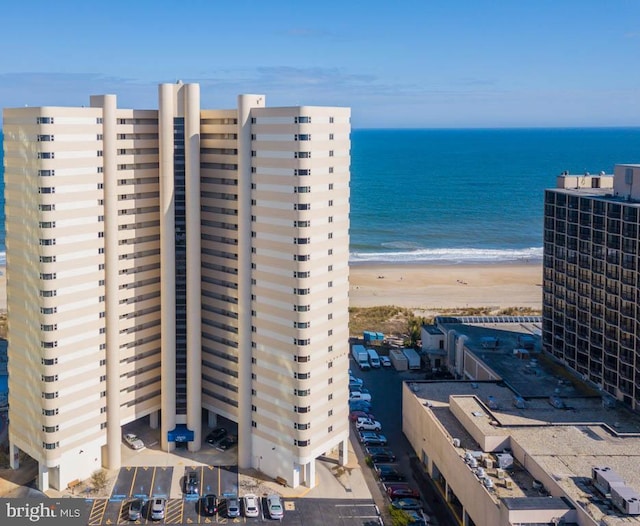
x,y
43,477
167,266
154,419
245,105
14,456
194,284
310,474
212,419
343,452
111,278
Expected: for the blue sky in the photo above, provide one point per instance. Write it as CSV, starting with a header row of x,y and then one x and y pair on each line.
x,y
414,63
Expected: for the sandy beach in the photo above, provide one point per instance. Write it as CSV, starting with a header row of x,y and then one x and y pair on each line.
x,y
431,286
428,287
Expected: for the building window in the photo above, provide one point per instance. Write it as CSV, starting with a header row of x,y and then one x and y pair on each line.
x,y
50,412
50,396
99,152
330,413
50,429
302,120
301,292
330,332
50,445
330,381
330,202
49,378
331,136
330,300
330,186
330,284
330,169
302,171
44,120
49,361
330,252
330,348
330,397
330,235
301,341
330,153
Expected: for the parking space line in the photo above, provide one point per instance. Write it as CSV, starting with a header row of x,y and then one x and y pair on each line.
x,y
122,514
97,511
153,478
133,481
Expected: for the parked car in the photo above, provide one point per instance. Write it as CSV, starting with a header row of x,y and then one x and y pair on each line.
x,y
227,443
359,396
381,458
391,476
157,509
380,450
354,415
368,424
388,473
233,508
371,438
133,441
359,405
355,380
417,518
407,504
274,507
135,509
216,435
191,483
385,361
251,506
397,490
209,504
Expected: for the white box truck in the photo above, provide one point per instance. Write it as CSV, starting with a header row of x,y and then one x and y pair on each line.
x,y
374,359
413,358
360,356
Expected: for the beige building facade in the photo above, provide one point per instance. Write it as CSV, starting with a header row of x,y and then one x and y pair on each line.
x,y
165,264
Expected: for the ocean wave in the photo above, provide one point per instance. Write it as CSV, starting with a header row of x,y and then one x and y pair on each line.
x,y
449,255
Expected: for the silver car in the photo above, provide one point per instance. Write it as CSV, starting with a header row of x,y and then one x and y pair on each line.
x,y
157,509
274,507
233,508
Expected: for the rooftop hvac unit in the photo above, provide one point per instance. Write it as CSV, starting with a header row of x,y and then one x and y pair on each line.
x,y
605,478
500,473
473,463
456,442
488,483
488,463
626,499
480,473
508,483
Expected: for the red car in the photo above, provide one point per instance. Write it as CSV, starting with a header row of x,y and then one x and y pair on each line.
x,y
354,415
397,490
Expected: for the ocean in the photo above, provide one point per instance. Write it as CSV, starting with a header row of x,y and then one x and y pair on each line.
x,y
460,196
467,196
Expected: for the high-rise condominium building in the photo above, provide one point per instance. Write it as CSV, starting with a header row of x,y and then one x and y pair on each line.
x,y
591,313
165,262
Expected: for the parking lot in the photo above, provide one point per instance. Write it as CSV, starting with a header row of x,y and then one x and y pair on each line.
x,y
385,386
298,512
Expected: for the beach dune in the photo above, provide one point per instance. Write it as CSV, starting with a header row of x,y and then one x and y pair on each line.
x,y
429,287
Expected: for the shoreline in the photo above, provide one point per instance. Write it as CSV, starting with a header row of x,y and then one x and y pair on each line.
x,y
432,286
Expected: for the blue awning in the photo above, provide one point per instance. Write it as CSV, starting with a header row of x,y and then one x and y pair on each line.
x,y
180,434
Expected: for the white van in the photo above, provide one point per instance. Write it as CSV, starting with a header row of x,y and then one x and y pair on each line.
x,y
374,359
